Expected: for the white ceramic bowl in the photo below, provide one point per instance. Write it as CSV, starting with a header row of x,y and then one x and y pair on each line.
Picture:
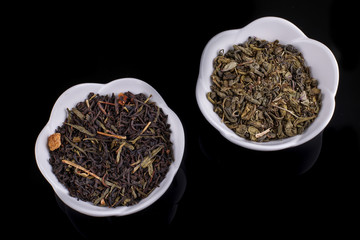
x,y
322,63
79,93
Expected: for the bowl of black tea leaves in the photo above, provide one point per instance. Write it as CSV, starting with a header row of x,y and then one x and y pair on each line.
x,y
267,86
110,149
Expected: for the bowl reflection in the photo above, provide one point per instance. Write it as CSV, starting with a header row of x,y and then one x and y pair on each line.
x,y
244,162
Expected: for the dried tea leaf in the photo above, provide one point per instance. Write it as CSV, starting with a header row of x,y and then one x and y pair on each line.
x,y
78,113
229,66
75,146
148,160
150,169
258,135
76,139
241,130
81,129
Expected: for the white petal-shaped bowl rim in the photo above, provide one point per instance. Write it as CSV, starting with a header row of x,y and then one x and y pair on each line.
x,y
321,60
78,93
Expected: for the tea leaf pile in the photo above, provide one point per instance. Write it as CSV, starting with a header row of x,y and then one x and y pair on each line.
x,y
263,90
114,150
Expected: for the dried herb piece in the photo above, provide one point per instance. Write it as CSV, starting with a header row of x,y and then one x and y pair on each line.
x,y
264,90
115,150
111,135
81,129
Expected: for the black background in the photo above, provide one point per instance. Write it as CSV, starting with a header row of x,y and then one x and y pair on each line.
x,y
221,188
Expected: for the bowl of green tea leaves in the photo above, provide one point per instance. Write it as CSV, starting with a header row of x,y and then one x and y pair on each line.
x,y
267,86
108,153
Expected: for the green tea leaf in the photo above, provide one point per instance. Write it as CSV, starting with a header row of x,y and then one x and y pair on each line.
x,y
81,129
148,160
78,113
75,146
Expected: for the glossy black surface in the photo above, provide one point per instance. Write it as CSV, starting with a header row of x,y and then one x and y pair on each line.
x,y
221,188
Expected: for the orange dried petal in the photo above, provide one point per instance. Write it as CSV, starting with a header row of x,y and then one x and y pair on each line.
x,y
122,98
